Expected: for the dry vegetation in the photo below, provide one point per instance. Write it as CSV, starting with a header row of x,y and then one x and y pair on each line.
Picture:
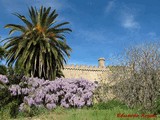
x,y
138,83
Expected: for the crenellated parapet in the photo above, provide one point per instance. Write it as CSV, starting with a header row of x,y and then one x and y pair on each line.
x,y
84,67
93,73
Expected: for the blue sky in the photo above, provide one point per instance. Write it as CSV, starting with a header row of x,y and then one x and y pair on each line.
x,y
101,28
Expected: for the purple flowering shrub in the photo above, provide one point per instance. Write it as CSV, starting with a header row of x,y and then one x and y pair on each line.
x,y
60,92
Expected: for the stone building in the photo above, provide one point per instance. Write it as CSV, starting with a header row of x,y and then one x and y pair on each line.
x,y
92,73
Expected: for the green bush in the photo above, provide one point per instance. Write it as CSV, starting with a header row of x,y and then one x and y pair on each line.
x,y
157,106
9,110
109,105
15,75
9,105
32,111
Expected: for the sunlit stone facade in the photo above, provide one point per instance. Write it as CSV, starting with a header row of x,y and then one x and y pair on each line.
x,y
93,73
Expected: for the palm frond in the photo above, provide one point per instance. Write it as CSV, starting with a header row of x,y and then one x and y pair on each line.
x,y
41,47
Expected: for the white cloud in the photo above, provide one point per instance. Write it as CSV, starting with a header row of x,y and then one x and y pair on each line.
x,y
110,6
128,20
126,15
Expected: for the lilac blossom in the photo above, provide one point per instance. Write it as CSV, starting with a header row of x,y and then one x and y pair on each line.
x,y
3,79
62,91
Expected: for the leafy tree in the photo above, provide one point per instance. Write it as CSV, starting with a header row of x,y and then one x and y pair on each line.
x,y
41,46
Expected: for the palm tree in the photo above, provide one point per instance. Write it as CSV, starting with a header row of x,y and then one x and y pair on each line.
x,y
41,46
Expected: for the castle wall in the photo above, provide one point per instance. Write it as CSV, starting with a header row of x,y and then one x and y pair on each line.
x,y
91,73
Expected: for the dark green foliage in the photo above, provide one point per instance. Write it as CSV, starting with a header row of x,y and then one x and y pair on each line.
x,y
109,105
3,69
33,111
14,108
9,109
59,73
9,105
15,75
4,96
7,102
2,53
157,106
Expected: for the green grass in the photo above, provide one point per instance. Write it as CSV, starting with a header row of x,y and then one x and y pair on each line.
x,y
86,114
99,111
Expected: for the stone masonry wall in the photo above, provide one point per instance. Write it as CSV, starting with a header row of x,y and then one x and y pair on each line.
x,y
92,73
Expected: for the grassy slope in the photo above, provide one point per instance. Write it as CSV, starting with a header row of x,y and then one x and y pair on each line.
x,y
84,114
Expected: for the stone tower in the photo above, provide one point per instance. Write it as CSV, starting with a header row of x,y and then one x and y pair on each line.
x,y
101,62
92,73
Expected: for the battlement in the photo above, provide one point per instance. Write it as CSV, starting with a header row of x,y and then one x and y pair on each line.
x,y
101,66
93,73
85,67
